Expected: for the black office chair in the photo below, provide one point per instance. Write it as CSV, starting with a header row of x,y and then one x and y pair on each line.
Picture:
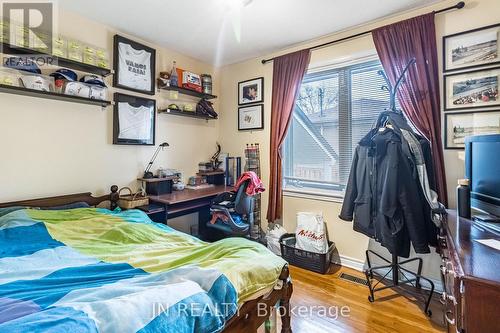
x,y
235,210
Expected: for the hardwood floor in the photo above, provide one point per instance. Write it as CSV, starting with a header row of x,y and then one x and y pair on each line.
x,y
390,312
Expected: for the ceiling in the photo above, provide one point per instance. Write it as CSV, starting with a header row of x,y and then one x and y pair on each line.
x,y
222,32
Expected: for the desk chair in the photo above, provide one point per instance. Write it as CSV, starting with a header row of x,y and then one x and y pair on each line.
x,y
233,212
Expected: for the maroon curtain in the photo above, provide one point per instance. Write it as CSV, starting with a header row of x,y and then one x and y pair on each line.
x,y
419,93
288,72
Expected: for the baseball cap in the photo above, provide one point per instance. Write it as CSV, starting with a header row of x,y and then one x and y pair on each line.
x,y
36,82
22,64
64,73
93,79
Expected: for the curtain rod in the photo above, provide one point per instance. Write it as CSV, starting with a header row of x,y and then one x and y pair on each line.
x,y
459,5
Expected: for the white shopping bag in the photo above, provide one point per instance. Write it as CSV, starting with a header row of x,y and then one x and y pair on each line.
x,y
311,232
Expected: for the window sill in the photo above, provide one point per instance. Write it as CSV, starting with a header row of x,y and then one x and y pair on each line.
x,y
313,195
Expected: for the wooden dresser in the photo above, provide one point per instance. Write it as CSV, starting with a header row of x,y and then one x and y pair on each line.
x,y
471,277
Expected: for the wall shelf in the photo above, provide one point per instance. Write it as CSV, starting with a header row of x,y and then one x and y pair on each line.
x,y
51,95
189,92
190,114
61,62
211,173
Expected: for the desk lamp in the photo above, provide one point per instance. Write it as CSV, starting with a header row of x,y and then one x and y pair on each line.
x,y
147,173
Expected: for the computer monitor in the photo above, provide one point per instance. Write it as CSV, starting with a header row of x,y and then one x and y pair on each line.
x,y
482,168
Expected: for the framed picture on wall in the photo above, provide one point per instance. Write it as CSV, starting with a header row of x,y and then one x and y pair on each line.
x,y
251,91
133,120
134,66
475,89
459,125
251,117
473,48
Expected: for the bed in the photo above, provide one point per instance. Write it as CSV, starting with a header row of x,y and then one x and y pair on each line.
x,y
79,268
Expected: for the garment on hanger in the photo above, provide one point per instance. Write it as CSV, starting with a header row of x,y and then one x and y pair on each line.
x,y
425,173
384,194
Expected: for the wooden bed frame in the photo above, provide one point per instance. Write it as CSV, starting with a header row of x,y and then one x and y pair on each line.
x,y
249,317
68,199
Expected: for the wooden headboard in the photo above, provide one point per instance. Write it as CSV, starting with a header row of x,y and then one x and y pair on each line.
x,y
68,199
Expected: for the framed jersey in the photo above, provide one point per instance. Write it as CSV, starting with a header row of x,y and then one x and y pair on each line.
x,y
134,65
133,120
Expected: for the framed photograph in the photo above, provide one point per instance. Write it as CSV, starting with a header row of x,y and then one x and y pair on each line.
x,y
459,125
251,117
473,48
134,66
476,89
251,91
133,120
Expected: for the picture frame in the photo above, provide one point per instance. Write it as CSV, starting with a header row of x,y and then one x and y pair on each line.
x,y
251,91
251,117
472,48
134,120
134,65
458,125
471,90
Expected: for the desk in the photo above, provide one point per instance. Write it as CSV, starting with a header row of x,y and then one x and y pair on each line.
x,y
179,203
470,276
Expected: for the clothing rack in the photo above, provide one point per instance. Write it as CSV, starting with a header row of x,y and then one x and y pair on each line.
x,y
394,266
252,163
393,90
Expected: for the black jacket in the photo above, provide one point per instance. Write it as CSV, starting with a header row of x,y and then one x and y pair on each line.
x,y
384,196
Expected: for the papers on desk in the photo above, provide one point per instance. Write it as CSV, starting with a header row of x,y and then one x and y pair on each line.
x,y
486,226
494,243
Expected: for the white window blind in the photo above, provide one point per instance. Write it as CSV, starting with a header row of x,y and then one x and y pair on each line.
x,y
334,110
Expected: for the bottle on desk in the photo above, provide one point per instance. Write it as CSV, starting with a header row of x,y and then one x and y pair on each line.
x,y
463,198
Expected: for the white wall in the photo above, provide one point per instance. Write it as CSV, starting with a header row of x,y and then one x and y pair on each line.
x,y
51,147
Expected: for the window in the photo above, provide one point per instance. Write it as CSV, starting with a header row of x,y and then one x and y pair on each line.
x,y
334,110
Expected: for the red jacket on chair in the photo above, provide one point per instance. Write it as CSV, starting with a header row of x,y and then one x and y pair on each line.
x,y
254,187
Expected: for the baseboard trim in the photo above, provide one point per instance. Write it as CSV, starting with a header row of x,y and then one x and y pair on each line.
x,y
349,262
359,265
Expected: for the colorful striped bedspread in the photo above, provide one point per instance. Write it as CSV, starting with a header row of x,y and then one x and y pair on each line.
x,y
95,270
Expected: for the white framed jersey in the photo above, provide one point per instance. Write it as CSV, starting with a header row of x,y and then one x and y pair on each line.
x,y
134,70
134,66
134,120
